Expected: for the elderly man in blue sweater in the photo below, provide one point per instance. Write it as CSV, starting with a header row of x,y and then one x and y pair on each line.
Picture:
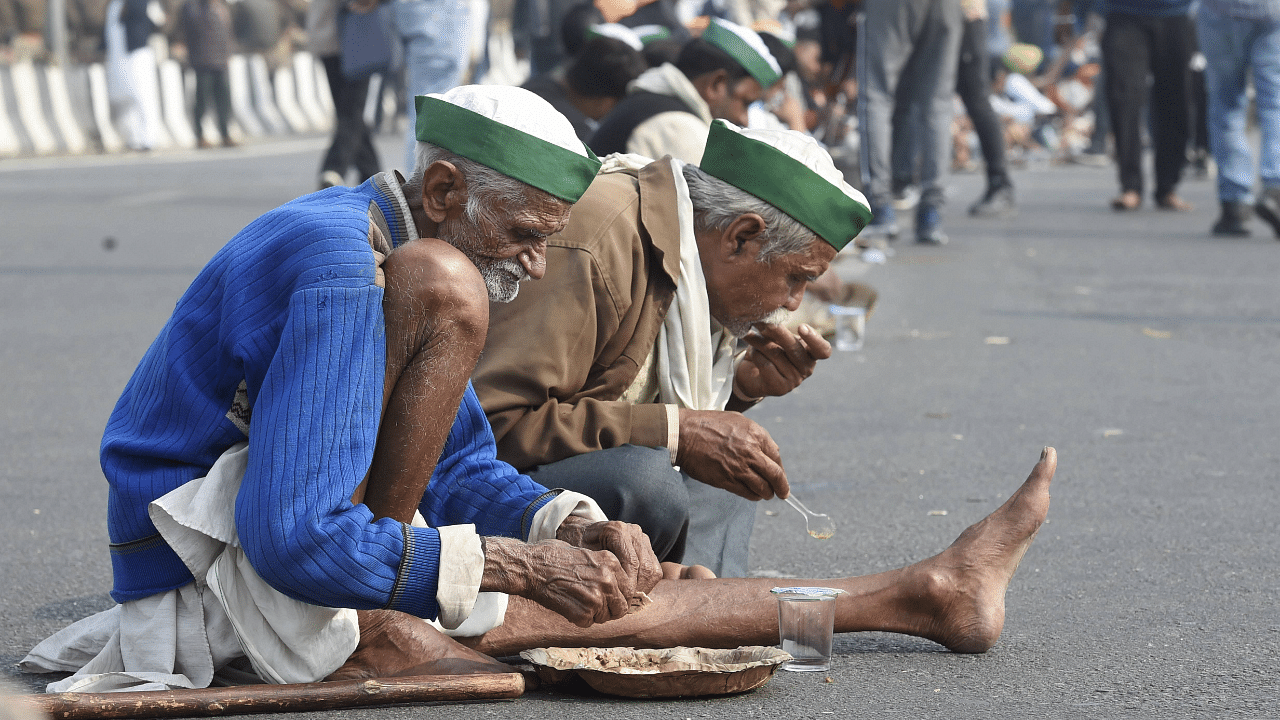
x,y
303,429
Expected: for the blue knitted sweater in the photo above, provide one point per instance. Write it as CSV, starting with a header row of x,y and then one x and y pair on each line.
x,y
282,332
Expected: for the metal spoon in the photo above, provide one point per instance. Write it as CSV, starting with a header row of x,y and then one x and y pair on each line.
x,y
819,525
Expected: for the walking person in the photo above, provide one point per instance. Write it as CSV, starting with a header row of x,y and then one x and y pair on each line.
x,y
206,28
1239,38
920,39
352,144
1146,53
133,81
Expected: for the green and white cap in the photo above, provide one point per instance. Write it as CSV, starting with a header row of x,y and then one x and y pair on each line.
x,y
651,33
512,131
617,31
792,172
745,46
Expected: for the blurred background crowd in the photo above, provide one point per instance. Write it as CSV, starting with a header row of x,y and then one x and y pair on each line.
x,y
901,93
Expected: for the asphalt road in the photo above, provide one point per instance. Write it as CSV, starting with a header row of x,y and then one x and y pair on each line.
x,y
1146,352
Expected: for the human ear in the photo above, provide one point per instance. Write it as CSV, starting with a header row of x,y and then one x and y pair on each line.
x,y
745,235
713,85
443,190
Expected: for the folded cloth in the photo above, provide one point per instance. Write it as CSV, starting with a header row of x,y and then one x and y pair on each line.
x,y
189,637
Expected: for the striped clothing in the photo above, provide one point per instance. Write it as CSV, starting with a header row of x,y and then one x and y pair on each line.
x,y
283,332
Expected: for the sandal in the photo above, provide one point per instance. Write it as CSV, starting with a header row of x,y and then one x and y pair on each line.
x,y
1127,200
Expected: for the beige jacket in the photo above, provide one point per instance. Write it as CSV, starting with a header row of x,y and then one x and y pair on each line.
x,y
561,355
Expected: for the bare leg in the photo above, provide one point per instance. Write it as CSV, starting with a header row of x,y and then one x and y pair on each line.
x,y
955,598
437,314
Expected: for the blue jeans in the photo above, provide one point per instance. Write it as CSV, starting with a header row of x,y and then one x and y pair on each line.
x,y
435,34
1232,46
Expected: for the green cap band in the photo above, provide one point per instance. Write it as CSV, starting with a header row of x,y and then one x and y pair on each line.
x,y
514,153
652,33
750,58
784,182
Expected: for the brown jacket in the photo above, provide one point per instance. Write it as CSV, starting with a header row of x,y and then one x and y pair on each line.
x,y
561,355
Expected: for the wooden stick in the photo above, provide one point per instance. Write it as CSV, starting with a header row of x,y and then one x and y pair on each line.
x,y
247,699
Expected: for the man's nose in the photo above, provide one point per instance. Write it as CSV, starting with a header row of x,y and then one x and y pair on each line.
x,y
795,298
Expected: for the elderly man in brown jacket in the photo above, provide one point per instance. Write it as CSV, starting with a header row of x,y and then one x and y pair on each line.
x,y
624,373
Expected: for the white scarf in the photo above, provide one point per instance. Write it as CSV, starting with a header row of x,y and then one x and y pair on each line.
x,y
695,365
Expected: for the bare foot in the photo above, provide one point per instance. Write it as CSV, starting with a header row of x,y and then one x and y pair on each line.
x,y
393,644
967,581
1127,200
676,571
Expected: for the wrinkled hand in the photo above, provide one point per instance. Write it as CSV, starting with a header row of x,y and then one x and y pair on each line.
x,y
626,541
778,361
585,586
729,451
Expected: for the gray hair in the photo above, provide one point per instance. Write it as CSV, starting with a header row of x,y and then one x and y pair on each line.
x,y
488,191
716,204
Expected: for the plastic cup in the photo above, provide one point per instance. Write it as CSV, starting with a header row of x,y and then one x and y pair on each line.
x,y
851,326
806,619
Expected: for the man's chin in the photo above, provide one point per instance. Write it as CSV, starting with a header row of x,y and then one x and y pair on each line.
x,y
504,295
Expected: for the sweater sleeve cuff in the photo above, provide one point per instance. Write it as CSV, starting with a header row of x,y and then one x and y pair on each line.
x,y
461,569
547,520
415,589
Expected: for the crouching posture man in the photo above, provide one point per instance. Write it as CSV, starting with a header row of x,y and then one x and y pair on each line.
x,y
299,465
632,390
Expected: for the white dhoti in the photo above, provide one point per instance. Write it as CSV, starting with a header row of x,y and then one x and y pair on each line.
x,y
188,637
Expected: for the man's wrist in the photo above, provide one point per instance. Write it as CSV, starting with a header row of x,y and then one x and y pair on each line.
x,y
572,528
744,397
504,568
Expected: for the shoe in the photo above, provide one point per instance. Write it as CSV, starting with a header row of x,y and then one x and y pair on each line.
x,y
1127,200
884,223
1170,201
204,144
229,143
906,198
1199,162
997,203
1268,208
1232,222
330,178
929,227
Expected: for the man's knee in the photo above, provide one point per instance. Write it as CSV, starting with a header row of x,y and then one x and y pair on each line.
x,y
650,486
430,283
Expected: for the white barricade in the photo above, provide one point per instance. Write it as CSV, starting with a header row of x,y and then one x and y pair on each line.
x,y
101,106
64,118
242,96
9,143
26,89
263,97
173,103
287,101
304,81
